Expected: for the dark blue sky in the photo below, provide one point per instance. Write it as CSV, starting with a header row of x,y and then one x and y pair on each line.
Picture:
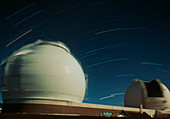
x,y
115,40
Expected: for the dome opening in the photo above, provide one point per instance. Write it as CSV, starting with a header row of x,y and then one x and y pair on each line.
x,y
153,89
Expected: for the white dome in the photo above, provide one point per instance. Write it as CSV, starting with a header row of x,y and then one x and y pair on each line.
x,y
43,70
152,95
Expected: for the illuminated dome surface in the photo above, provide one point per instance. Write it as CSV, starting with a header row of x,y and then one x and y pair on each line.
x,y
152,95
43,70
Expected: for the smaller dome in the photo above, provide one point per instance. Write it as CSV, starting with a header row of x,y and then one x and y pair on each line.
x,y
152,95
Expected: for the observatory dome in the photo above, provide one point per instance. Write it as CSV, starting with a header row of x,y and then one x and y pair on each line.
x,y
42,70
151,95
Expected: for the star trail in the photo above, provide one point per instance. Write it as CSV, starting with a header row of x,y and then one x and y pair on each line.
x,y
19,11
28,17
107,61
111,96
114,41
19,37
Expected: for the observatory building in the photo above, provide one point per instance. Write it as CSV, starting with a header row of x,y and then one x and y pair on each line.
x,y
150,95
41,72
44,77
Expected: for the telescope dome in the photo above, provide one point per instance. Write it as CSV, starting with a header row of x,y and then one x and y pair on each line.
x,y
151,95
42,70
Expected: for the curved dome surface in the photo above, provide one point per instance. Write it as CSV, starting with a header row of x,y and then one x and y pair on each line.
x,y
152,95
43,70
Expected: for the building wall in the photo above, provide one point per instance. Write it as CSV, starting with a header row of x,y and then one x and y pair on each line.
x,y
57,109
72,108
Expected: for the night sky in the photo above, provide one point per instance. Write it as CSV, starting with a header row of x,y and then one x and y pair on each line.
x,y
116,41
